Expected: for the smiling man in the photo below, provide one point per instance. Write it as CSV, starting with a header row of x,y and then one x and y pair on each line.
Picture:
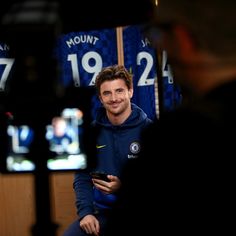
x,y
119,123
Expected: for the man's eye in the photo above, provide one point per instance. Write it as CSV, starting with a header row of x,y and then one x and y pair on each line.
x,y
106,93
120,90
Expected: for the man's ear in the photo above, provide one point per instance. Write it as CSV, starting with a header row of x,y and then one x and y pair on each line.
x,y
184,40
100,98
131,92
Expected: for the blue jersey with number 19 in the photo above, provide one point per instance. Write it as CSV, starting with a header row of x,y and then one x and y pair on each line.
x,y
82,55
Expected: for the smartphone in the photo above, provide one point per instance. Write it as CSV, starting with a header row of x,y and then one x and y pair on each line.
x,y
99,175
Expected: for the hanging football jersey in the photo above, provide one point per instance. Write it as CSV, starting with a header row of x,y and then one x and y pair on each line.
x,y
171,91
141,60
82,55
6,63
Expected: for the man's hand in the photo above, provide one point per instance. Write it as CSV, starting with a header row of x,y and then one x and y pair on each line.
x,y
108,187
90,225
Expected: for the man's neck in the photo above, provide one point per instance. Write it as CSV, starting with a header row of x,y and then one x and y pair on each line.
x,y
206,73
208,79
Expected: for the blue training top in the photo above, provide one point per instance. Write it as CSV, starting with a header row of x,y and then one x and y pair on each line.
x,y
116,145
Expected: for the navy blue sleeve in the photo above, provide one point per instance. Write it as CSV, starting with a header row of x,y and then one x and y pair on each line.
x,y
83,188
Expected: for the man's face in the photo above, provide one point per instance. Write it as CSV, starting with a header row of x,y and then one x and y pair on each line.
x,y
115,96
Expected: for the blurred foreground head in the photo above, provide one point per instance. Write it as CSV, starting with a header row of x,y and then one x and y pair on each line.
x,y
211,22
200,38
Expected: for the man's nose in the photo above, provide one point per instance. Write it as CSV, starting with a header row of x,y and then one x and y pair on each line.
x,y
113,96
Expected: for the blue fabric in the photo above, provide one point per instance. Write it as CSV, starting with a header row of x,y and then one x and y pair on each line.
x,y
116,146
75,230
140,57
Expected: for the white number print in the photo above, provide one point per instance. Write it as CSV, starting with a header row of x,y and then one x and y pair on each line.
x,y
166,69
144,80
8,62
95,69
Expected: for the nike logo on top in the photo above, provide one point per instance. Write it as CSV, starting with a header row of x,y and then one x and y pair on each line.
x,y
100,146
